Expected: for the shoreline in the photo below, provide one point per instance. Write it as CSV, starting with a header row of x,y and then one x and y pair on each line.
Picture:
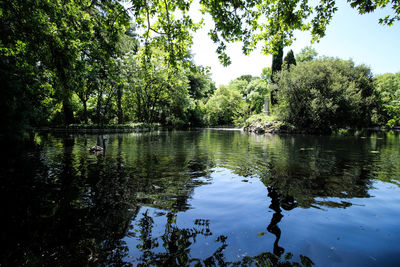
x,y
95,130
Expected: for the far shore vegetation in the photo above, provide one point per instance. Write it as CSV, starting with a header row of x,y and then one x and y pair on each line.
x,y
99,65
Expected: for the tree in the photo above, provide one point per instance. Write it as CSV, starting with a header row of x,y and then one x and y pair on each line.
x,y
167,25
225,106
276,67
266,74
326,94
289,60
240,84
128,44
308,53
246,77
201,85
253,91
274,22
388,88
53,53
155,92
257,91
51,40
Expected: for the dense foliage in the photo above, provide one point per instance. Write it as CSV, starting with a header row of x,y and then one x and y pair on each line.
x,y
326,94
100,62
234,103
49,49
388,87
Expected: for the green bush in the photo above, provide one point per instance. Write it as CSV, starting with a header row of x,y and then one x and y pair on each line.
x,y
387,87
393,115
225,106
326,94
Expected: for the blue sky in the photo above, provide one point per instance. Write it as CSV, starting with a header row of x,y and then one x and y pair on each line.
x,y
349,35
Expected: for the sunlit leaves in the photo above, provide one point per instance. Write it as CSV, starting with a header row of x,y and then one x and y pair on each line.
x,y
308,53
167,25
273,22
388,88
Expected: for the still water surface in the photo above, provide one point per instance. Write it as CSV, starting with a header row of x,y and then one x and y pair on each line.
x,y
207,197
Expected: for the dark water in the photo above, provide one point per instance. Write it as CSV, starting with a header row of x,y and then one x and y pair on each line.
x,y
210,198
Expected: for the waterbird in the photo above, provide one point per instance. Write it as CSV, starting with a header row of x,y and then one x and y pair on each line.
x,y
94,149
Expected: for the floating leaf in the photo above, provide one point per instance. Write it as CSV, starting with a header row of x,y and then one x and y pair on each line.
x,y
261,234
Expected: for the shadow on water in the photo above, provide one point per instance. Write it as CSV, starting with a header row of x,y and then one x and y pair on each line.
x,y
66,207
60,209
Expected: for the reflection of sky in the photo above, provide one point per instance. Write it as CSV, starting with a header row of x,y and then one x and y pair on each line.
x,y
364,234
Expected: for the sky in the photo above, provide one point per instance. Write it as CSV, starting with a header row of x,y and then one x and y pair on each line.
x,y
348,36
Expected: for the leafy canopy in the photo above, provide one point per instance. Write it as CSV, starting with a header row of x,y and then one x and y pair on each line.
x,y
273,22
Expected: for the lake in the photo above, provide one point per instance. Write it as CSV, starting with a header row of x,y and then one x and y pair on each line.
x,y
201,198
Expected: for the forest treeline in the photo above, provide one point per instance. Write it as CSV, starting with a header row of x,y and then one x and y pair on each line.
x,y
89,62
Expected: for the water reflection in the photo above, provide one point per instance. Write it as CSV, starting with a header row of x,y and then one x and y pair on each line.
x,y
64,206
64,211
177,242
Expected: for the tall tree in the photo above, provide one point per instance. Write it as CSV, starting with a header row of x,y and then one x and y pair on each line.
x,y
50,39
289,60
277,60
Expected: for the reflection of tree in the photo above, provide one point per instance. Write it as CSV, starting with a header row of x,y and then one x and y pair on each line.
x,y
302,167
273,228
167,168
388,167
72,208
75,209
64,211
177,242
305,184
270,259
306,169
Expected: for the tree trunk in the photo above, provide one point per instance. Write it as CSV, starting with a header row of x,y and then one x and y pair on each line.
x,y
276,67
61,64
68,113
85,115
119,105
98,108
